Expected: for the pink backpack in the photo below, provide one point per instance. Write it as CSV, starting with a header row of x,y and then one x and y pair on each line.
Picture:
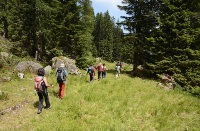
x,y
39,83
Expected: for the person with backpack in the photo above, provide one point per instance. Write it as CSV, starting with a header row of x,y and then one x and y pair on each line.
x,y
104,71
41,85
118,68
120,64
100,69
91,72
61,75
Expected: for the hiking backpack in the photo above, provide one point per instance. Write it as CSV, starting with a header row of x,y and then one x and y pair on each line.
x,y
60,75
39,83
90,70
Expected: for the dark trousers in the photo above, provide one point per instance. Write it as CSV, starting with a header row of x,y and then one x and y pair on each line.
x,y
99,75
91,77
43,96
103,74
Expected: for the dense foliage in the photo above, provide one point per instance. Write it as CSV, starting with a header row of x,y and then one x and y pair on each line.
x,y
166,37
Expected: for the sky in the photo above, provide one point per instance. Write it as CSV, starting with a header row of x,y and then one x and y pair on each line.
x,y
110,5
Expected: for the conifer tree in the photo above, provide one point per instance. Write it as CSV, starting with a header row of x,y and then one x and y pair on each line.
x,y
118,43
103,35
85,46
140,21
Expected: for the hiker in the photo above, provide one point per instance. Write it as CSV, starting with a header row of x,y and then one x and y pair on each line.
x,y
118,70
61,75
120,64
41,85
104,71
91,72
100,69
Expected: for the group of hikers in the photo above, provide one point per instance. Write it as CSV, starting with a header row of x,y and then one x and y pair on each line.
x,y
41,83
101,69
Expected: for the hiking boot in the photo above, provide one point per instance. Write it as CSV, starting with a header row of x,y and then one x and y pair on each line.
x,y
47,107
39,112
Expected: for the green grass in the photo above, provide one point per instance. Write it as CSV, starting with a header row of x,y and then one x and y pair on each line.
x,y
120,104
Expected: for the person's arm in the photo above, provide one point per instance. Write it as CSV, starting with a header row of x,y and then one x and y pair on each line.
x,y
93,70
46,83
66,74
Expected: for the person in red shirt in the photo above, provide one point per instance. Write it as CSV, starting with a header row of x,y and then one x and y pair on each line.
x,y
100,69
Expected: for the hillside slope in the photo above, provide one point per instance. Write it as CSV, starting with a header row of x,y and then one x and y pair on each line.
x,y
125,103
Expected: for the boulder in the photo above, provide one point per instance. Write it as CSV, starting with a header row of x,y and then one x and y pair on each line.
x,y
139,72
27,66
167,82
47,69
70,65
5,79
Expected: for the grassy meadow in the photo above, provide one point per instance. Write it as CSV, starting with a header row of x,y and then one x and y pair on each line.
x,y
123,104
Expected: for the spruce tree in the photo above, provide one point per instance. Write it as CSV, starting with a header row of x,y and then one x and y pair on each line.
x,y
140,21
85,46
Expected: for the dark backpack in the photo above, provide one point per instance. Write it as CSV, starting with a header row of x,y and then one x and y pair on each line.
x,y
60,75
39,83
90,70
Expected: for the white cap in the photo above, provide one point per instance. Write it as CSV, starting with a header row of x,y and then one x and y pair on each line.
x,y
62,65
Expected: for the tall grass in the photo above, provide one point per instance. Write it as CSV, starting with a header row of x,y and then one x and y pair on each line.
x,y
125,103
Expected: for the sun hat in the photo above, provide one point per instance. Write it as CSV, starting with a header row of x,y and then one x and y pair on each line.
x,y
62,65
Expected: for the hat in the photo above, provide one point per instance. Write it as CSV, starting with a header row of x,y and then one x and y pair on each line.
x,y
62,65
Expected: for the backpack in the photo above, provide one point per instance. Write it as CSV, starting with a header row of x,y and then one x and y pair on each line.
x,y
118,68
104,68
60,75
39,83
90,70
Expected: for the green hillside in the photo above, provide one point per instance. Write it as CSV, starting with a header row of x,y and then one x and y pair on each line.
x,y
126,103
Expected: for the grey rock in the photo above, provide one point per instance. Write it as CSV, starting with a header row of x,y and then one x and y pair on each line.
x,y
27,66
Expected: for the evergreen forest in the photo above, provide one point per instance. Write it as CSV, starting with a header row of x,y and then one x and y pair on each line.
x,y
161,35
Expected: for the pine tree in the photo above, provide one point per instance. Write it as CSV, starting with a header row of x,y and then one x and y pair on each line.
x,y
117,43
3,18
173,47
103,35
141,20
85,46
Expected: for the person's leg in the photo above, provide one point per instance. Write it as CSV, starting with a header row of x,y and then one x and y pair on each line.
x,y
46,96
62,90
99,73
40,103
60,87
103,74
90,77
